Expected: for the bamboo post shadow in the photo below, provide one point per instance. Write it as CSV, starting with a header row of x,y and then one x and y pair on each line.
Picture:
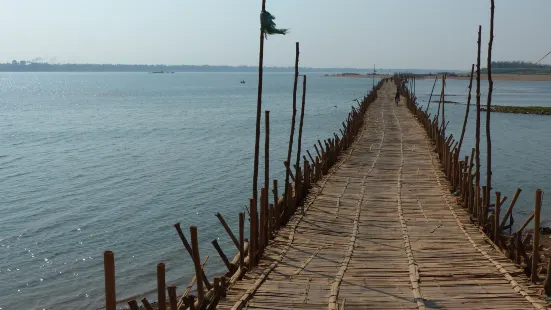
x,y
535,247
258,108
161,286
295,86
197,264
109,273
489,103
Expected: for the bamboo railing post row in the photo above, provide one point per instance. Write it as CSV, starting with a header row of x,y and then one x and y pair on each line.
x,y
295,86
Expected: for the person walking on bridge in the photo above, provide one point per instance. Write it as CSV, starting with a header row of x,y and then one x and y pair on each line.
x,y
397,97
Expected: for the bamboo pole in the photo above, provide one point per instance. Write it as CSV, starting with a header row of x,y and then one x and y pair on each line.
x,y
497,231
310,155
258,108
262,220
466,111
510,209
222,255
253,234
228,229
301,122
536,245
133,305
277,208
173,299
161,287
109,272
190,250
295,86
477,134
267,156
488,106
146,304
196,262
241,239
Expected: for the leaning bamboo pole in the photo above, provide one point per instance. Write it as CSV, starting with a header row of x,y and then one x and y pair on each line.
x,y
428,104
466,112
489,103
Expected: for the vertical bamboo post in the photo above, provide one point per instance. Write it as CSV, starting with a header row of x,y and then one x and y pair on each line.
x,y
242,239
301,122
197,263
477,133
488,106
484,213
146,304
497,231
518,251
258,108
466,111
270,222
133,305
109,272
172,296
253,234
536,245
295,86
262,227
547,285
161,286
267,156
277,208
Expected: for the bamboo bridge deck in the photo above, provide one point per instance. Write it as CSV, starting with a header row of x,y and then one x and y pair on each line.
x,y
382,231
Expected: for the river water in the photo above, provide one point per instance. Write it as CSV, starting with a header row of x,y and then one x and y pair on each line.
x,y
96,161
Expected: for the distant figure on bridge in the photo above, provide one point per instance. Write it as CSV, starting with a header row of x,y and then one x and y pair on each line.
x,y
397,97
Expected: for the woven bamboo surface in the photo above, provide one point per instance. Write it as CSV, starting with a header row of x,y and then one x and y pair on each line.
x,y
382,231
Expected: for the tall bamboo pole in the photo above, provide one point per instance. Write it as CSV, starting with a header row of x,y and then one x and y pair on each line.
x,y
258,109
466,111
477,134
295,85
489,103
299,144
267,155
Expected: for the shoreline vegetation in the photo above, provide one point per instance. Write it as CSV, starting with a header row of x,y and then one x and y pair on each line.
x,y
536,110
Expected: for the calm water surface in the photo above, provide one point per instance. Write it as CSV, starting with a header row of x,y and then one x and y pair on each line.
x,y
94,161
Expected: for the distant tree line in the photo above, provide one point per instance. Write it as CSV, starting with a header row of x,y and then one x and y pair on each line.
x,y
25,66
517,66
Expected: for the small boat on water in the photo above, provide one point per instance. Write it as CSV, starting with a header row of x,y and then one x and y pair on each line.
x,y
242,82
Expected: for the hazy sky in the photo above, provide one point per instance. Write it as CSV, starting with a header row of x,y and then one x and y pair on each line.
x,y
432,34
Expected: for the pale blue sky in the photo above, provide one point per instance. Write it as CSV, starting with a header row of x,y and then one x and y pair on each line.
x,y
429,34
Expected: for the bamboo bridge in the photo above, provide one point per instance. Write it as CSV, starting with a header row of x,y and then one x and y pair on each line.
x,y
387,216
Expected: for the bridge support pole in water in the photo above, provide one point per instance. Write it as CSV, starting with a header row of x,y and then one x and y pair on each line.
x,y
109,269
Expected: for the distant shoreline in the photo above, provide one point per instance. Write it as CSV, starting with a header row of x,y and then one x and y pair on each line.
x,y
484,77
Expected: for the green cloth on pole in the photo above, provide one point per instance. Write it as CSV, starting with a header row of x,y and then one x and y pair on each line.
x,y
268,26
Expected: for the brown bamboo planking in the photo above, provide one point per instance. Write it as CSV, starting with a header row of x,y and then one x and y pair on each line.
x,y
380,231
